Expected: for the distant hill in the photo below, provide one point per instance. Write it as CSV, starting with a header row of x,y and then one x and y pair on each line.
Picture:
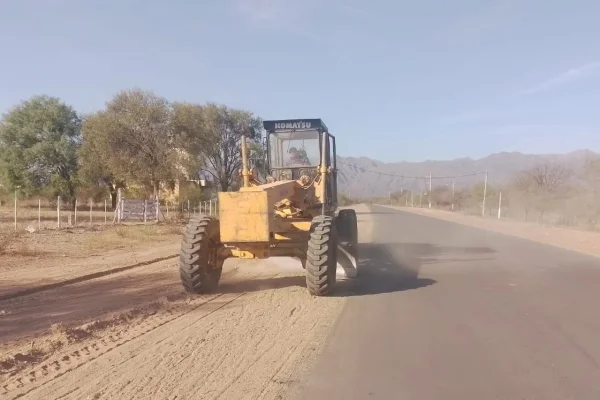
x,y
356,180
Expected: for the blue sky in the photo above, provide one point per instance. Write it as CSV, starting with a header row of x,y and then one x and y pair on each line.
x,y
394,80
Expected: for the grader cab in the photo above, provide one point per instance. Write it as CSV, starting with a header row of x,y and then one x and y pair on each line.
x,y
291,214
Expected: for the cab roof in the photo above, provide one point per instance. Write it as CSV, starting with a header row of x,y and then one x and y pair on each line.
x,y
294,124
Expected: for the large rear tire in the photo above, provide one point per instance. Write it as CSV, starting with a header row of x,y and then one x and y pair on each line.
x,y
321,256
199,265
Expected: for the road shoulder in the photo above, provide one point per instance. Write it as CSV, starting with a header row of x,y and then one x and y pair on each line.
x,y
585,242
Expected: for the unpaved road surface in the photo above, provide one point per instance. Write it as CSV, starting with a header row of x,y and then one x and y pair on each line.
x,y
439,311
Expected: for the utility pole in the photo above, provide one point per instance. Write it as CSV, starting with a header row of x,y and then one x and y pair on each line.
x,y
402,185
430,190
484,194
452,194
500,205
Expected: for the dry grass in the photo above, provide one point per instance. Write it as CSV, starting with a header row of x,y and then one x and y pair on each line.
x,y
13,244
20,248
6,242
131,235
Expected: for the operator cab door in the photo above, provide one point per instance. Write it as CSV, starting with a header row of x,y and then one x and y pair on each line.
x,y
333,163
331,181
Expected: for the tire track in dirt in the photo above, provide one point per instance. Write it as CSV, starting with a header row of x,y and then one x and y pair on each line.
x,y
66,362
251,340
244,342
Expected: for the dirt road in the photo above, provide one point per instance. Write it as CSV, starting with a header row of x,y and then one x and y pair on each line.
x,y
247,341
440,311
242,343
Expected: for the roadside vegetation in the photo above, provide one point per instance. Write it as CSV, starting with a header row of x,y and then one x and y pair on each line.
x,y
547,193
139,142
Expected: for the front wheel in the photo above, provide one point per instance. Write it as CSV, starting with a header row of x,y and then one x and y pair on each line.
x,y
199,265
321,256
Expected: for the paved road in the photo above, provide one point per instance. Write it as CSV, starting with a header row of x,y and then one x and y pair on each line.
x,y
444,311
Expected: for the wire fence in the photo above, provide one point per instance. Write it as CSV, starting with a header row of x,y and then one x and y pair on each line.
x,y
572,205
476,193
35,215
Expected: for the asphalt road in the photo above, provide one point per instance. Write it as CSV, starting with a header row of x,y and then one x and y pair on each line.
x,y
445,311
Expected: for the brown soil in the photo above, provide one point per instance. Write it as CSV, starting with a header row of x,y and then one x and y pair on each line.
x,y
136,334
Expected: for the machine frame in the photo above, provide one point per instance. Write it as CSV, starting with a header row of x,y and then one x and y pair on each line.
x,y
278,218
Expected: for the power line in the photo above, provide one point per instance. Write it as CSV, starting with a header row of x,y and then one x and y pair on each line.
x,y
411,177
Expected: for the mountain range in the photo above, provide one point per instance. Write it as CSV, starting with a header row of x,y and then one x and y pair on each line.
x,y
364,178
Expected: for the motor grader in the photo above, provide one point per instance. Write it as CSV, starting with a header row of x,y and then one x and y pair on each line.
x,y
292,213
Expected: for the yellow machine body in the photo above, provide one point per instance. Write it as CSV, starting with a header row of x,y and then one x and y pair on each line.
x,y
261,221
291,214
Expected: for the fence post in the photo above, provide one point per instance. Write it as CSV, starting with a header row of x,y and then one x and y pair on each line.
x,y
91,208
167,204
105,206
76,204
500,205
119,205
39,215
157,208
210,207
58,212
15,210
145,210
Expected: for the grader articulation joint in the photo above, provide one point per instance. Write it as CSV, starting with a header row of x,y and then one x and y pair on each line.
x,y
292,214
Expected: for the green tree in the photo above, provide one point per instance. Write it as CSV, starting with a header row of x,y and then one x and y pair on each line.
x,y
94,156
188,125
39,139
131,141
257,155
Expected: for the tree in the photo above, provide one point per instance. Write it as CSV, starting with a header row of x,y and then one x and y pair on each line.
x,y
211,135
541,187
188,124
589,208
549,178
94,157
131,141
39,139
257,155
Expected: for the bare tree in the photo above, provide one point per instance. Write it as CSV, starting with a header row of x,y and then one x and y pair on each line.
x,y
212,134
550,178
541,187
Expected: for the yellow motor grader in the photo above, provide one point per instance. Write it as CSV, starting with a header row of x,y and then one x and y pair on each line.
x,y
291,214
